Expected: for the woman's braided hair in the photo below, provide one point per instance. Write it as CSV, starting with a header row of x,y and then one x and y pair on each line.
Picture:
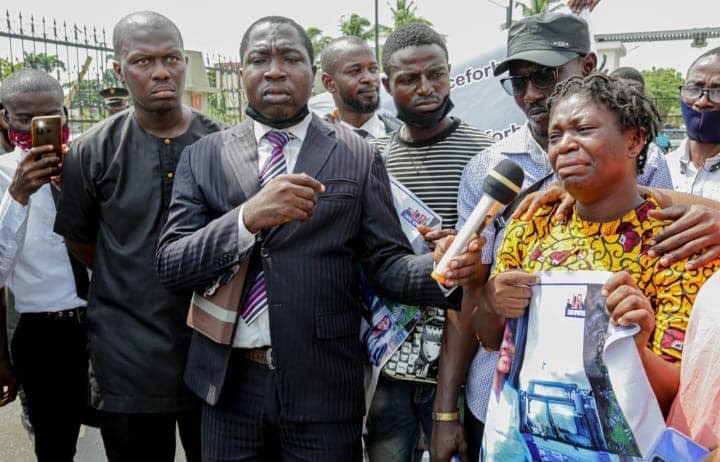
x,y
634,110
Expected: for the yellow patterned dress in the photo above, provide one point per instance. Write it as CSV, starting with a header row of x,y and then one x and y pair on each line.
x,y
620,245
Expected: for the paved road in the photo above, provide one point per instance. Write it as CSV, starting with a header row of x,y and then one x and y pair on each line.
x,y
16,446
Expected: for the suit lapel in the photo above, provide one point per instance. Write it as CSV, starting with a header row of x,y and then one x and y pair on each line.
x,y
242,156
317,147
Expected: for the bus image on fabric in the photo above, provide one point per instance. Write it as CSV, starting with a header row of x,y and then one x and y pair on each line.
x,y
555,412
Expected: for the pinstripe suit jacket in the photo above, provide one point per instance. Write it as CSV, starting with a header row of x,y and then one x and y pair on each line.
x,y
310,268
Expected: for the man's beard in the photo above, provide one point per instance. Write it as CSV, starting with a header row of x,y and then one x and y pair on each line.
x,y
359,106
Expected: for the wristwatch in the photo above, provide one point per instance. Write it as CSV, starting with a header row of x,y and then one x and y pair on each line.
x,y
446,416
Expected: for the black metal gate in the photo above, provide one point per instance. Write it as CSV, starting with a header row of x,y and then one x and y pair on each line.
x,y
81,58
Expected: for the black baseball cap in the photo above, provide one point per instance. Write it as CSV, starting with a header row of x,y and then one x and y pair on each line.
x,y
548,39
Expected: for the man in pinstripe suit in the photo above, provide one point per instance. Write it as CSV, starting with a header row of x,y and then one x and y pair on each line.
x,y
290,385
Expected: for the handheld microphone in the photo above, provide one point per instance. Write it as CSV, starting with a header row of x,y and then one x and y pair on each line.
x,y
501,186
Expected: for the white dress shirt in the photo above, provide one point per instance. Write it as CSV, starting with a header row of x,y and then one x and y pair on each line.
x,y
687,178
34,262
374,126
257,334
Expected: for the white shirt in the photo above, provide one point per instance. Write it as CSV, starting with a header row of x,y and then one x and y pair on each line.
x,y
374,126
34,262
686,178
257,334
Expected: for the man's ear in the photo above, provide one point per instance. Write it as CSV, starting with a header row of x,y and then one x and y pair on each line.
x,y
118,71
328,82
386,83
314,71
589,63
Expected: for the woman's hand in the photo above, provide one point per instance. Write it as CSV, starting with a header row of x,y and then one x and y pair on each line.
x,y
628,305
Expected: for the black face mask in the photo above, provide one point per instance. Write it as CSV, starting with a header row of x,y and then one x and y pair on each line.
x,y
281,124
425,119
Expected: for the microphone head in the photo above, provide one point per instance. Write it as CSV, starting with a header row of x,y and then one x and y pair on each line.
x,y
503,183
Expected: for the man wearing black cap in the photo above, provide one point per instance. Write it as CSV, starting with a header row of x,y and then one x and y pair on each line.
x,y
542,51
116,99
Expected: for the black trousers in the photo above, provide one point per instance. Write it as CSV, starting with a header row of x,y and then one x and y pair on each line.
x,y
150,437
473,434
50,359
246,425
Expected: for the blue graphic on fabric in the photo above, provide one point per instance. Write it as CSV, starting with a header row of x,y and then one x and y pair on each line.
x,y
562,412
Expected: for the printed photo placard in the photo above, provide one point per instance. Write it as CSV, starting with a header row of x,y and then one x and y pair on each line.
x,y
569,386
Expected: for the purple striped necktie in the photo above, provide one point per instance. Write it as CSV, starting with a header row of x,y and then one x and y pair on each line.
x,y
256,301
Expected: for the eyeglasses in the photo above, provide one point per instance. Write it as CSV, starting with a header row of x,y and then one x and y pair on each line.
x,y
542,79
693,93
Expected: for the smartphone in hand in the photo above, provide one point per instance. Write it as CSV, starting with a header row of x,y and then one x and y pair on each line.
x,y
47,130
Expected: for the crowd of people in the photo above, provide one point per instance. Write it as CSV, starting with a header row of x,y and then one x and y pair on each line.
x,y
252,286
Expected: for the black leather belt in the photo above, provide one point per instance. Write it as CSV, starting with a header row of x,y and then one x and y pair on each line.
x,y
73,314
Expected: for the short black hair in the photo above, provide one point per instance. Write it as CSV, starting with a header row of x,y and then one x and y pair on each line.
x,y
410,35
29,80
277,20
331,53
715,52
629,73
141,19
634,109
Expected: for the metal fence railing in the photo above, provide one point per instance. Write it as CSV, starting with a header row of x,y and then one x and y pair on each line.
x,y
81,58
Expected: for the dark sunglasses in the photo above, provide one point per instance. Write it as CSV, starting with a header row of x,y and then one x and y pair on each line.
x,y
542,79
694,93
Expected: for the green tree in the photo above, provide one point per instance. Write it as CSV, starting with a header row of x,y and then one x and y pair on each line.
x,y
43,61
6,68
403,12
539,6
48,63
319,41
662,85
357,26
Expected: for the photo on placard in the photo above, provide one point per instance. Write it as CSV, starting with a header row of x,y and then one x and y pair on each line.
x,y
552,398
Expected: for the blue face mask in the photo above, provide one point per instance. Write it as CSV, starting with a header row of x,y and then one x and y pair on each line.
x,y
702,126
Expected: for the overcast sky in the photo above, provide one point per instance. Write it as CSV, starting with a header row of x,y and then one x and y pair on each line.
x,y
471,26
